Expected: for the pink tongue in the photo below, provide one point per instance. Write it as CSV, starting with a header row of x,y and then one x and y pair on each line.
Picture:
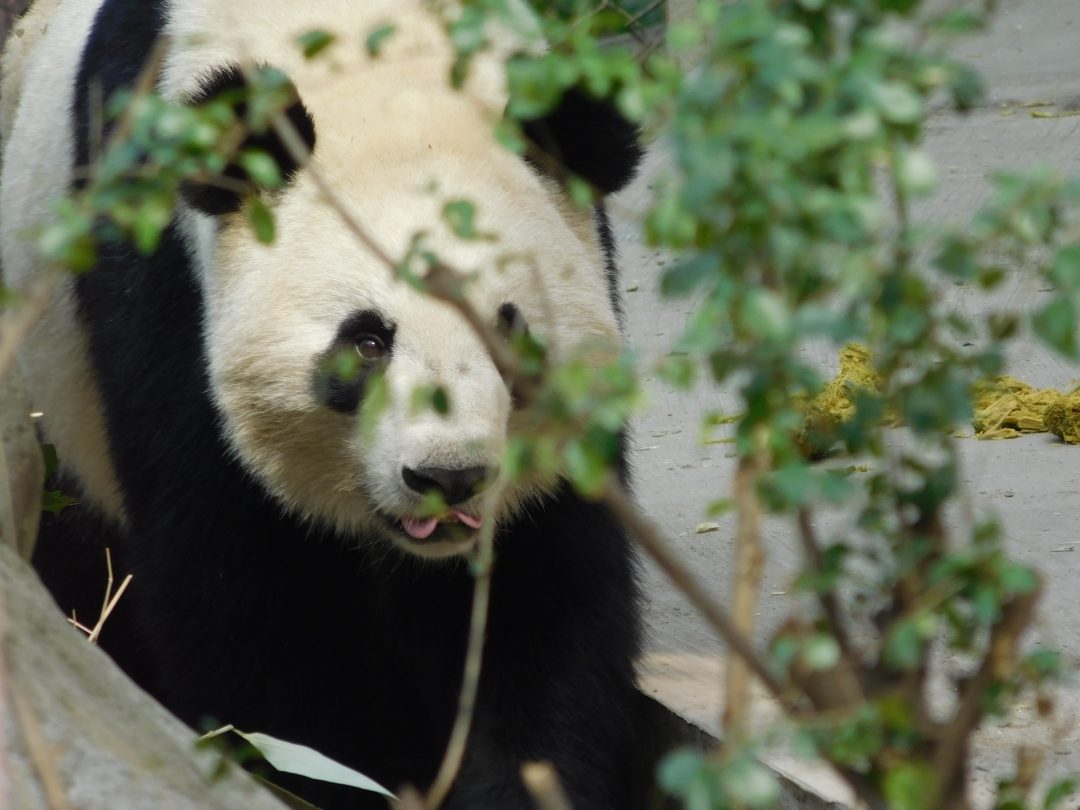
x,y
419,528
468,520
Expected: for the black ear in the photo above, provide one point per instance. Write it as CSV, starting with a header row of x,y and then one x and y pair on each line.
x,y
228,83
588,137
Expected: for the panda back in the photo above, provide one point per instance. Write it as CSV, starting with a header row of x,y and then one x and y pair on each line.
x,y
41,63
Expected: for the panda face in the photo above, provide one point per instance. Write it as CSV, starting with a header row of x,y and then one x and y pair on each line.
x,y
396,144
280,318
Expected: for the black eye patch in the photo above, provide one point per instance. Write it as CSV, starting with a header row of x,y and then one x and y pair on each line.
x,y
513,326
363,345
511,321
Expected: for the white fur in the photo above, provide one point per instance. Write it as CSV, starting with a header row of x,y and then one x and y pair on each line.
x,y
396,143
40,63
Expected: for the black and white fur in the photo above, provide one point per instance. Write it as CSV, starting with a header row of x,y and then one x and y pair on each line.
x,y
277,584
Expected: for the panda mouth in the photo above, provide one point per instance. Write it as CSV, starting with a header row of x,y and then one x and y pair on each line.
x,y
432,529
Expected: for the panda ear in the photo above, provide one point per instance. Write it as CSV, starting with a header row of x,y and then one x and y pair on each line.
x,y
587,137
228,83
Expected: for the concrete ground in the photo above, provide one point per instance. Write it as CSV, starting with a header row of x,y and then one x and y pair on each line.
x,y
1031,61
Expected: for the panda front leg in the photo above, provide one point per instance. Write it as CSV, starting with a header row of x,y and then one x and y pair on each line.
x,y
70,558
558,682
591,756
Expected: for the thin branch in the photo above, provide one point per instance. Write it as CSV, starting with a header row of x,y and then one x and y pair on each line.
x,y
17,323
650,538
470,682
73,620
951,750
444,283
749,560
108,582
107,606
108,610
827,599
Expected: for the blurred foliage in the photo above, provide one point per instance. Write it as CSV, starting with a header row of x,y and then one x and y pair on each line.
x,y
796,158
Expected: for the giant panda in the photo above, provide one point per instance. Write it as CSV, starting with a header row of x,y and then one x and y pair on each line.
x,y
285,579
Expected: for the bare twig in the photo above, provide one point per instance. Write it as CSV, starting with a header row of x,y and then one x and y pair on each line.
x,y
108,610
542,781
108,603
470,682
73,620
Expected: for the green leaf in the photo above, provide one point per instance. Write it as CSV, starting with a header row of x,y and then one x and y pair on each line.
x,y
960,21
440,401
289,757
1044,664
821,652
587,467
900,6
508,133
1059,792
967,87
679,370
916,172
903,646
684,277
580,191
377,38
151,218
54,501
262,221
49,457
897,102
766,315
314,42
261,167
1017,579
459,215
1065,270
909,786
751,783
679,769
430,396
1055,324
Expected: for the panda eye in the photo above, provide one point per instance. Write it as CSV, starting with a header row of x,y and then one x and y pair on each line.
x,y
370,348
510,321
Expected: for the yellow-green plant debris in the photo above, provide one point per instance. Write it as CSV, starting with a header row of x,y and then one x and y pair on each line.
x,y
1063,418
836,402
1007,408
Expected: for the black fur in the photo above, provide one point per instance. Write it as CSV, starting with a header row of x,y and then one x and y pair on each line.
x,y
588,137
124,38
511,321
252,618
229,83
611,269
339,383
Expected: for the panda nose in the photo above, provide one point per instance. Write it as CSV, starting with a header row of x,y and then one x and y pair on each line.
x,y
455,485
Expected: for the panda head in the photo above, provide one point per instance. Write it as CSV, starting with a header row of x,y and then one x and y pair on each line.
x,y
358,449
